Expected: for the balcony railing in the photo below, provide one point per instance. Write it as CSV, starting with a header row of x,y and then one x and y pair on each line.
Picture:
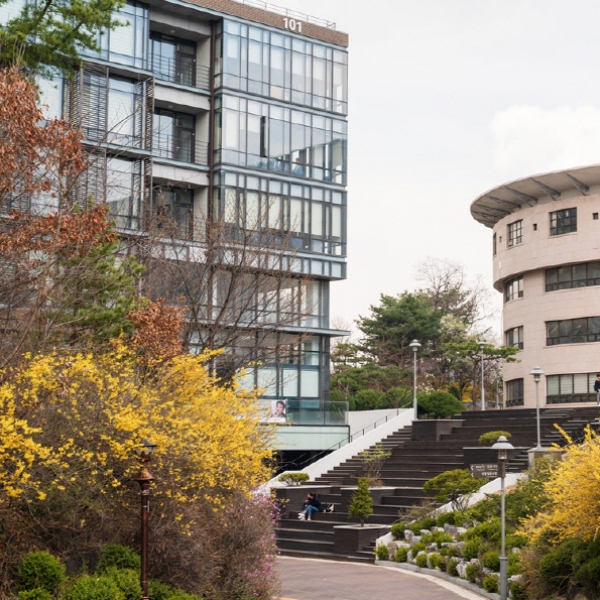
x,y
177,70
175,148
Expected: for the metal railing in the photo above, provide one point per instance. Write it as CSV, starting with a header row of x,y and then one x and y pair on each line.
x,y
173,147
176,71
286,12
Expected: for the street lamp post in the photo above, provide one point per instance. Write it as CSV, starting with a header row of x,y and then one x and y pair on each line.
x,y
537,373
502,446
481,346
415,346
144,478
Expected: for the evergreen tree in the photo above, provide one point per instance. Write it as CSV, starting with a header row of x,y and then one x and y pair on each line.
x,y
361,506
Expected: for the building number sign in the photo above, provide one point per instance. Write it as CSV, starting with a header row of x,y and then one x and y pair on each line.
x,y
292,24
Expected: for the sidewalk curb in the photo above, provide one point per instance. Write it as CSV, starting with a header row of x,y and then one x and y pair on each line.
x,y
471,587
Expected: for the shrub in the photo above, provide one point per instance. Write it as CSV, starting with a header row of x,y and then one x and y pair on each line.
x,y
426,523
127,580
94,588
491,437
489,531
398,530
40,570
35,594
439,405
119,557
438,537
418,547
518,591
471,549
397,396
381,552
452,567
443,564
421,561
369,400
449,551
434,560
447,517
516,540
588,576
556,567
158,590
474,572
491,560
181,595
293,477
491,583
514,564
401,555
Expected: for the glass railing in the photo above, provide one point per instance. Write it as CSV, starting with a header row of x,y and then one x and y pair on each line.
x,y
183,72
303,412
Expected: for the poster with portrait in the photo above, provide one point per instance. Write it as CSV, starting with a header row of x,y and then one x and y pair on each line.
x,y
278,411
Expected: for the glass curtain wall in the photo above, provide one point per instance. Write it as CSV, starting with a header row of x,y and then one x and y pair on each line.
x,y
280,140
310,218
282,67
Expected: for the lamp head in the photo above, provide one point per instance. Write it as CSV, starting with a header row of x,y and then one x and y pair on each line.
x,y
481,345
146,450
414,345
503,446
537,373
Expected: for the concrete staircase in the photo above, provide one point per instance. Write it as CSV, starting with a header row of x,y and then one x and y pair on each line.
x,y
417,454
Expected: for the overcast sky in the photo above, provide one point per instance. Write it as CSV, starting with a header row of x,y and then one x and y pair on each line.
x,y
449,98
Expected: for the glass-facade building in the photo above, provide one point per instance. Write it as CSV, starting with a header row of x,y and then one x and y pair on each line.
x,y
217,112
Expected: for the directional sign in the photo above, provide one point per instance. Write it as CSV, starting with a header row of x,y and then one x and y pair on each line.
x,y
489,470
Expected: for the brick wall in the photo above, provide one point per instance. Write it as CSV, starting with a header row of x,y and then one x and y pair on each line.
x,y
230,7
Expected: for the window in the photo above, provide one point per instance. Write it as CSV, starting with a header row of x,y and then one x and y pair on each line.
x,y
272,138
307,218
175,210
174,135
494,245
282,67
577,387
515,233
123,192
173,59
514,393
573,331
563,221
513,288
112,109
126,44
514,337
573,276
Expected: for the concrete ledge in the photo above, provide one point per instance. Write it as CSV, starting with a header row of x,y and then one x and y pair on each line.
x,y
439,575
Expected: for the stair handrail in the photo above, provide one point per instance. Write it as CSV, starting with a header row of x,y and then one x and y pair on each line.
x,y
376,424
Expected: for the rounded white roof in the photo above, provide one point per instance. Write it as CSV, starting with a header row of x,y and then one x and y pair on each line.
x,y
510,197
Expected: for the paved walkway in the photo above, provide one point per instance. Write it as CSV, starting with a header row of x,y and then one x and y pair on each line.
x,y
309,579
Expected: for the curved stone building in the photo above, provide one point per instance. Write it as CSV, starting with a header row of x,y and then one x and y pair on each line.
x,y
546,255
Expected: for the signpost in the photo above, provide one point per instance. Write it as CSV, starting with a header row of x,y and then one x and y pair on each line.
x,y
489,470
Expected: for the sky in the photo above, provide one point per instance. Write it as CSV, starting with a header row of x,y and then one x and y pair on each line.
x,y
449,98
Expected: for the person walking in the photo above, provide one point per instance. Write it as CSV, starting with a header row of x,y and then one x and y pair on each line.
x,y
597,389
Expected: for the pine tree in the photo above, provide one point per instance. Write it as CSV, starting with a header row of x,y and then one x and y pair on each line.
x,y
361,506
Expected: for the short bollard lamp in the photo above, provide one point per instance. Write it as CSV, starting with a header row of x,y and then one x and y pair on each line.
x,y
144,478
502,446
